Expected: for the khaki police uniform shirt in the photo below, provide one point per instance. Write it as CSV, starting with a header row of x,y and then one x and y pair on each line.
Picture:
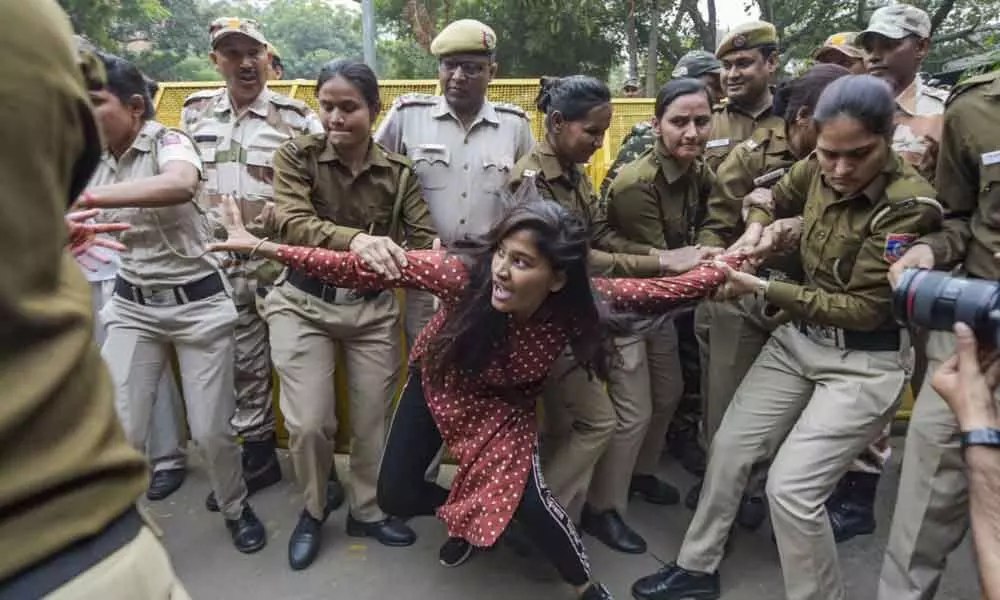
x,y
238,149
849,243
657,202
319,203
164,246
731,124
968,178
919,110
461,170
613,254
66,470
764,157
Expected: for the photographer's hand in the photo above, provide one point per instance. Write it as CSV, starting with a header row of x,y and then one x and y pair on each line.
x,y
966,382
918,256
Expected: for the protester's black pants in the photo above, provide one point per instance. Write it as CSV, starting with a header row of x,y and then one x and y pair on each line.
x,y
413,442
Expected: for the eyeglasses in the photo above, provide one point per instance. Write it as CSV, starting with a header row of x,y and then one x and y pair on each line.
x,y
469,68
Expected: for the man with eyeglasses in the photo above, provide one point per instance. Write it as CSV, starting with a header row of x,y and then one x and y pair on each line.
x,y
237,129
462,145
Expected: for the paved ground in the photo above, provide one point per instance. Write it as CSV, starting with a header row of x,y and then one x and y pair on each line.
x,y
357,569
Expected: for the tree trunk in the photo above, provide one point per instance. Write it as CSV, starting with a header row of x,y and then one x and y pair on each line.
x,y
652,50
713,27
633,43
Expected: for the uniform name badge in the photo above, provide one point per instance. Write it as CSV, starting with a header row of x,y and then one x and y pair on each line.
x,y
719,143
895,245
991,158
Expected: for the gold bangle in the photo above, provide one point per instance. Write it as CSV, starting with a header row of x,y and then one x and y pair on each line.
x,y
256,248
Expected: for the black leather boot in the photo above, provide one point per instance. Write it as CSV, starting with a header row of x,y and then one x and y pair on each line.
x,y
674,583
247,531
304,543
852,506
654,490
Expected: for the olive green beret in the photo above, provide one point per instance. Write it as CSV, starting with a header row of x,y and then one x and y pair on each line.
x,y
747,35
464,36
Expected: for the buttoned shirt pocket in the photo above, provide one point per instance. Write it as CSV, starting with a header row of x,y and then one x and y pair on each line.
x,y
432,163
989,195
496,173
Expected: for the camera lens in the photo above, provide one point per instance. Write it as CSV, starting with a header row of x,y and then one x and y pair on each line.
x,y
935,300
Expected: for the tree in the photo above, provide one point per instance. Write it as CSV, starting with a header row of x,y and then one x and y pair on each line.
x,y
96,20
308,34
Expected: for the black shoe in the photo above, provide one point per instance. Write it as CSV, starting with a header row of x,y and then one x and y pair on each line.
x,y
261,469
334,495
247,531
388,532
752,512
610,528
303,545
654,490
853,512
597,591
674,583
693,495
454,552
164,483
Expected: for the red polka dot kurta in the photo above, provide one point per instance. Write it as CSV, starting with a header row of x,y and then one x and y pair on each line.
x,y
489,421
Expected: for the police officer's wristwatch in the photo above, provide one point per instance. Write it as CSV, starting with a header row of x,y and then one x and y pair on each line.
x,y
985,436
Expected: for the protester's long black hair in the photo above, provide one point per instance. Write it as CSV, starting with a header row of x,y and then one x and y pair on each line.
x,y
475,331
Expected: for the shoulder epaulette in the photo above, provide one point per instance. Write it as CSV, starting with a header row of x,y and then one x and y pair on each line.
x,y
510,108
302,143
290,103
971,83
720,105
936,93
415,100
395,157
202,95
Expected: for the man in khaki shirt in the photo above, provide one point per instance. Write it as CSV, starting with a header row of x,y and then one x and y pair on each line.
x,y
463,146
237,129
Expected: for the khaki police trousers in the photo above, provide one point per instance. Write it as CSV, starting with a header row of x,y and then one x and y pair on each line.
x,y
810,408
932,506
136,351
139,570
254,415
306,332
730,336
166,430
645,389
579,423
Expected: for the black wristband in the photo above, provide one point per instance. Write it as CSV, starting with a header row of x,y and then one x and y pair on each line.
x,y
986,436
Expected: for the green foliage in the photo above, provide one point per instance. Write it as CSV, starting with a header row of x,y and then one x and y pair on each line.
x,y
308,34
97,20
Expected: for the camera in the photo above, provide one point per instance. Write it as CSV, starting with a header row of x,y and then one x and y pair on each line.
x,y
936,300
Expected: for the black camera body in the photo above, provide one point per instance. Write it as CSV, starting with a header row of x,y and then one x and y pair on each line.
x,y
936,300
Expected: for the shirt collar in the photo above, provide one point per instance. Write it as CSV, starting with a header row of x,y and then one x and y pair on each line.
x,y
259,106
143,142
671,170
487,112
907,99
550,166
375,156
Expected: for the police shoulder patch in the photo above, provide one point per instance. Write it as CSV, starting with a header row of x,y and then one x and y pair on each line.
x,y
170,138
896,244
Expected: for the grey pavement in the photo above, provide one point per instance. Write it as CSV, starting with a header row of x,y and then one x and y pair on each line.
x,y
361,569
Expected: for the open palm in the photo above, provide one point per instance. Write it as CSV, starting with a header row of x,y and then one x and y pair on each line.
x,y
238,238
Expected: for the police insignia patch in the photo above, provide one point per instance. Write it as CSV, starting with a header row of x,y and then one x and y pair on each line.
x,y
896,244
170,139
739,41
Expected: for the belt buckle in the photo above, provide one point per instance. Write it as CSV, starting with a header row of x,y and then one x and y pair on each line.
x,y
776,275
159,297
825,335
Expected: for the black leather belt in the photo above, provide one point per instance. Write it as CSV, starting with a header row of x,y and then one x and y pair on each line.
x,y
170,296
887,340
54,572
326,292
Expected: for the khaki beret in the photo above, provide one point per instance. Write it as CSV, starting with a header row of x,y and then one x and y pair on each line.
x,y
464,36
843,42
747,35
226,26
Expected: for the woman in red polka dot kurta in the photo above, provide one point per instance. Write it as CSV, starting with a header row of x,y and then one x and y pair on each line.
x,y
509,308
